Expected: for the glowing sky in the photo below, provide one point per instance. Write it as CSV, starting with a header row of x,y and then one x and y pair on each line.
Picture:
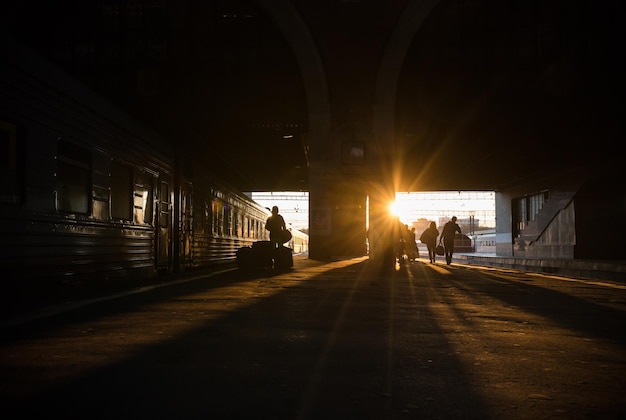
x,y
294,206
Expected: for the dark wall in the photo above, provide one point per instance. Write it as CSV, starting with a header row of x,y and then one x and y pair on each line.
x,y
600,213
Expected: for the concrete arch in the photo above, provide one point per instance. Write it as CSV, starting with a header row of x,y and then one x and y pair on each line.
x,y
325,176
383,123
383,117
313,73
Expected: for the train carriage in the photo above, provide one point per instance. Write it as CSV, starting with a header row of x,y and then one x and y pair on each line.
x,y
299,242
89,194
217,221
84,185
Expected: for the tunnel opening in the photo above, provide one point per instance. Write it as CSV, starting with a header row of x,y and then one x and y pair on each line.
x,y
475,210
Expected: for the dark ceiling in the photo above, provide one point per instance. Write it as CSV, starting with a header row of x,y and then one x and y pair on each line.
x,y
503,91
491,92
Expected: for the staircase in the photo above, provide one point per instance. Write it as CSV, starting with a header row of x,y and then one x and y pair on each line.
x,y
529,243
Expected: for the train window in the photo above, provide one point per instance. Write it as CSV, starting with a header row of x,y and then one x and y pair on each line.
x,y
164,202
100,209
9,177
143,198
165,192
121,191
226,221
140,205
216,218
208,217
73,178
100,186
200,215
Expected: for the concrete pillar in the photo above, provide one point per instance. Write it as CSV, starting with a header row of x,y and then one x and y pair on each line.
x,y
337,214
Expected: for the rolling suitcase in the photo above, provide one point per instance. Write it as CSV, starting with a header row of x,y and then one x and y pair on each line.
x,y
284,258
263,254
245,258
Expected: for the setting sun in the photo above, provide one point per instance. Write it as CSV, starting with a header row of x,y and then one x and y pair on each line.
x,y
411,206
399,208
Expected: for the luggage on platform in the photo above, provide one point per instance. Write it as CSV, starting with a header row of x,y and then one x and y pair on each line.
x,y
262,255
284,258
245,257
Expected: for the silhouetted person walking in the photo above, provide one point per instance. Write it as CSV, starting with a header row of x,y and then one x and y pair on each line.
x,y
414,252
449,231
429,238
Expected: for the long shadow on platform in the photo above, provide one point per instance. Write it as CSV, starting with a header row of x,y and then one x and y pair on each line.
x,y
340,343
566,309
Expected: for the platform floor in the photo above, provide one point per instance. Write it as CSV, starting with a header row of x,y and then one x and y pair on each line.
x,y
326,340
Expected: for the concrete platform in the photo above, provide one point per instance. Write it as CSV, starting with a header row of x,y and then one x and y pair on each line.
x,y
589,269
327,340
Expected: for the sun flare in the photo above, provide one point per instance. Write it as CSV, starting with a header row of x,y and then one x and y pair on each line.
x,y
412,206
399,208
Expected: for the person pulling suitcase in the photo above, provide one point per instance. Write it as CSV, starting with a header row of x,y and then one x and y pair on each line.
x,y
278,231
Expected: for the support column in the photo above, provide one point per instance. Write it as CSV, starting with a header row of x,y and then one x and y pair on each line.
x,y
337,214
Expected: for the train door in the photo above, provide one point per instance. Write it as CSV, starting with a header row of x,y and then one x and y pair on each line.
x,y
164,224
186,245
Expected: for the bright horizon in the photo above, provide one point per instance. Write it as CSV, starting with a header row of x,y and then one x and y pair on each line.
x,y
411,206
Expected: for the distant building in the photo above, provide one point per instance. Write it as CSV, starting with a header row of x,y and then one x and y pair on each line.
x,y
420,226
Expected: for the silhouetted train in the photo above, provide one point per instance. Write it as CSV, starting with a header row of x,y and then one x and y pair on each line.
x,y
299,241
485,241
88,193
